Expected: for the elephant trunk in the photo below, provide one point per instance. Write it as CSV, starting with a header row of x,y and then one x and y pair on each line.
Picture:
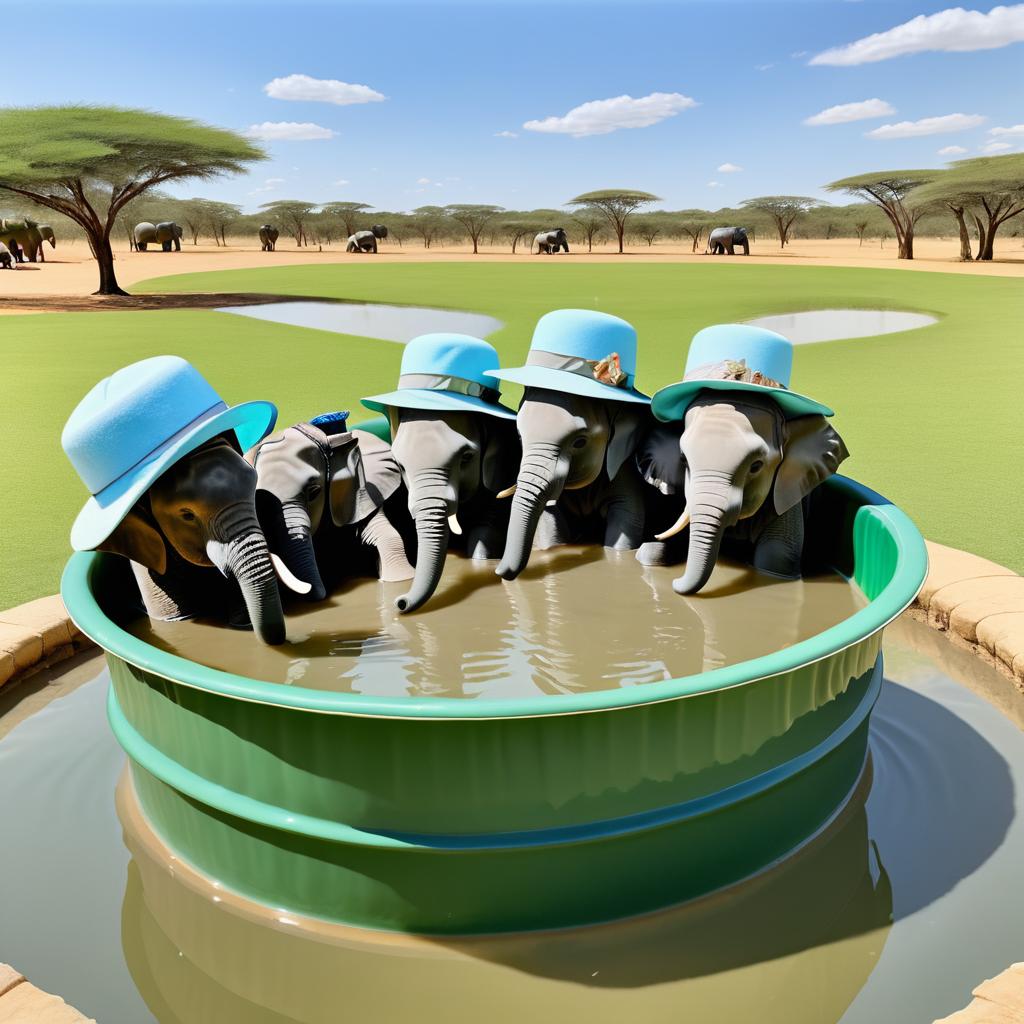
x,y
431,499
714,504
295,544
238,548
542,475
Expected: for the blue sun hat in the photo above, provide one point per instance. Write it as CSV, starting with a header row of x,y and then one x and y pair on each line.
x,y
137,423
447,373
736,357
582,352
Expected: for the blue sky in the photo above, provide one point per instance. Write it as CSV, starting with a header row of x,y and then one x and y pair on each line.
x,y
455,74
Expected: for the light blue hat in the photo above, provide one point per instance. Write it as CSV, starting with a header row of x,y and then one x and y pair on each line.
x,y
736,357
581,352
448,373
135,424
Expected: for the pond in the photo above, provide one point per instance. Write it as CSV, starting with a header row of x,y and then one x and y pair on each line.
x,y
895,912
834,324
370,320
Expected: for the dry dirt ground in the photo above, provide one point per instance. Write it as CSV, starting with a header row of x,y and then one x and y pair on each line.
x,y
67,279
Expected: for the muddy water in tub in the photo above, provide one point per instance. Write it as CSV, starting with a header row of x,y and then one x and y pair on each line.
x,y
579,618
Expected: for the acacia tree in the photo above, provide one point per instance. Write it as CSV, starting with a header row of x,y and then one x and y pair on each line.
x,y
427,222
989,188
88,162
514,228
891,192
474,217
781,210
347,213
220,216
692,224
292,215
591,222
616,204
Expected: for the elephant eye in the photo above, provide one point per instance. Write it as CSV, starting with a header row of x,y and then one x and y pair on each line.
x,y
188,515
756,466
580,442
314,490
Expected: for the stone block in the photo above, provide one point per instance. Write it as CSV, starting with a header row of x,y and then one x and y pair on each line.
x,y
948,565
46,617
26,1004
25,647
9,977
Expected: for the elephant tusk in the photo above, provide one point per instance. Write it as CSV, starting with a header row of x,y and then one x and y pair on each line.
x,y
288,578
677,527
453,525
508,492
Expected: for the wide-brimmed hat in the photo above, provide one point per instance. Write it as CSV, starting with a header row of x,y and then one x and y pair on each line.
x,y
138,422
582,352
736,357
447,373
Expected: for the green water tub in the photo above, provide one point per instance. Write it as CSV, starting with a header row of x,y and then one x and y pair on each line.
x,y
456,816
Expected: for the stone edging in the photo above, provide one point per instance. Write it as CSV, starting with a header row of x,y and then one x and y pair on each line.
x,y
20,1000
998,1000
36,635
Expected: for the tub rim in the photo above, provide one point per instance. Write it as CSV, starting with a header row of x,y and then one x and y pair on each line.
x,y
908,575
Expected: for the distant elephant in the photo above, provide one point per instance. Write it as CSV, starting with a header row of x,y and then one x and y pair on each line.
x,y
48,236
24,239
724,240
577,477
268,237
551,241
167,233
197,548
454,464
7,260
366,241
321,467
727,458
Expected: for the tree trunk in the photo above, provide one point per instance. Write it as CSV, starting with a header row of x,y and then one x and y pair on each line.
x,y
965,236
105,258
620,230
906,244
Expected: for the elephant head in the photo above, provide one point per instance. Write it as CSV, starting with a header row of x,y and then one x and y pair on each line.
x,y
48,236
379,231
203,507
309,470
447,459
568,441
731,456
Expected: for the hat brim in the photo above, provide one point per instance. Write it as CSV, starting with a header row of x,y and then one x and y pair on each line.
x,y
436,401
571,383
671,403
251,422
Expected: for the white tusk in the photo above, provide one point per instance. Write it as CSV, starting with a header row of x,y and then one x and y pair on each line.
x,y
288,578
508,492
677,527
453,525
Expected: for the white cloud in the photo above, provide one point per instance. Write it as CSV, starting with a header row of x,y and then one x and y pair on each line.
x,y
1016,129
268,185
729,168
798,54
996,147
320,90
714,184
506,135
952,151
288,131
422,181
951,30
926,126
599,117
342,182
763,67
845,112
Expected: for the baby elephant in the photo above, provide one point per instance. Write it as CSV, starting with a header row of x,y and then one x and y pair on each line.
x,y
742,468
320,496
7,260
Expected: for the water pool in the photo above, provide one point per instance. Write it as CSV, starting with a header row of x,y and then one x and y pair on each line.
x,y
834,324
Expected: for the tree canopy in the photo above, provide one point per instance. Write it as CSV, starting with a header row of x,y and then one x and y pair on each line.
x,y
87,162
292,214
473,217
616,204
782,211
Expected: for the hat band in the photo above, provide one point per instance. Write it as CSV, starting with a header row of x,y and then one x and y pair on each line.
x,y
733,369
455,385
202,418
605,371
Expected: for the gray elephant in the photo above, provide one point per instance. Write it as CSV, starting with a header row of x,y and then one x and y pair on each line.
x,y
197,548
166,233
580,423
458,448
268,237
24,239
47,234
320,496
551,241
366,241
725,240
7,260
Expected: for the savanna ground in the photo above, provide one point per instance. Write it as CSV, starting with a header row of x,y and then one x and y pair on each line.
x,y
932,417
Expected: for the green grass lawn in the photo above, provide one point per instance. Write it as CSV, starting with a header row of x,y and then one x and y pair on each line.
x,y
932,417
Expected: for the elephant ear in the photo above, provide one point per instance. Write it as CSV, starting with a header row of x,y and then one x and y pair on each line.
x,y
660,459
812,453
138,539
363,475
499,459
628,422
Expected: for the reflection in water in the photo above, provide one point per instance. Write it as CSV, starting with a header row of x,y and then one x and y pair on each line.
x,y
833,324
579,618
794,944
